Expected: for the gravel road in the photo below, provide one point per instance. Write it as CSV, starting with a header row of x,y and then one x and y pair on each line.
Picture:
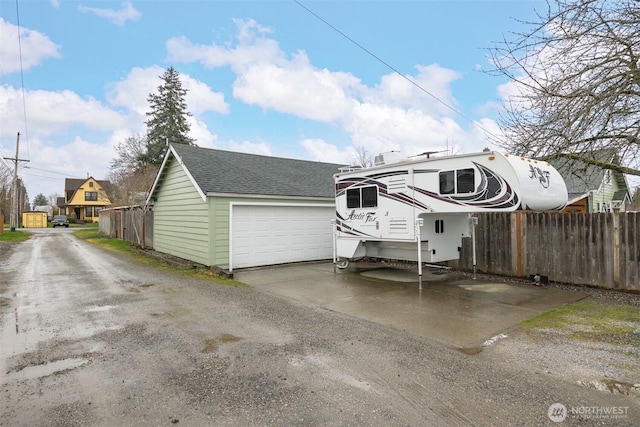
x,y
92,338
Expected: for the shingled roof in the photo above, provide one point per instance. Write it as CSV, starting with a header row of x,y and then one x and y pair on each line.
x,y
228,172
582,178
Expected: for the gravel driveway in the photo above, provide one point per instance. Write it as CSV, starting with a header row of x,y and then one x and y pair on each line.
x,y
90,337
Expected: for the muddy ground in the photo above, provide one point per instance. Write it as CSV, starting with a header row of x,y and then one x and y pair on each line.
x,y
90,337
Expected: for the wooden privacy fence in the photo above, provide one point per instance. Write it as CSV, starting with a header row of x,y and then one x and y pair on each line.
x,y
133,224
596,249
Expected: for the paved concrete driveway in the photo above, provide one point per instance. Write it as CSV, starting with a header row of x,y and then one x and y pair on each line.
x,y
457,310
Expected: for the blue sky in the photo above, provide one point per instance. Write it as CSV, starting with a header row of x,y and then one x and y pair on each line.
x,y
265,77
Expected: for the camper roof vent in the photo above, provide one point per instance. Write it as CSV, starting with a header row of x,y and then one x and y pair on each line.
x,y
386,158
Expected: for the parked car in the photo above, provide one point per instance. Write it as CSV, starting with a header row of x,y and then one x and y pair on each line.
x,y
60,220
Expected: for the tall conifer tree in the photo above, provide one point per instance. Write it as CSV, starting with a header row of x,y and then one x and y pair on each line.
x,y
167,121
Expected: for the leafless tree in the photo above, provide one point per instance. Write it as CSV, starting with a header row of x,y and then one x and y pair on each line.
x,y
130,187
576,71
130,152
5,189
362,157
131,178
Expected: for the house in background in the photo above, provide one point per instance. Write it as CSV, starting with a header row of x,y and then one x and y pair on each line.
x,y
234,210
593,189
83,199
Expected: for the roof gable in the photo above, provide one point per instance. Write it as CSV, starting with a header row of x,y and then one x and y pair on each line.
x,y
228,172
71,186
582,178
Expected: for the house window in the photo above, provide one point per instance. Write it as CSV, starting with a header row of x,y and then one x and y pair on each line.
x,y
91,196
88,212
439,226
364,197
457,181
90,183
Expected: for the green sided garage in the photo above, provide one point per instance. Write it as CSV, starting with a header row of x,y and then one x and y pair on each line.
x,y
237,210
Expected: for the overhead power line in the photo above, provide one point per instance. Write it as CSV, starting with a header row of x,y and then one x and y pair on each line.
x,y
24,102
377,58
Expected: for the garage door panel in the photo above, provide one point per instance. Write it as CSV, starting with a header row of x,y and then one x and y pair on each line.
x,y
266,235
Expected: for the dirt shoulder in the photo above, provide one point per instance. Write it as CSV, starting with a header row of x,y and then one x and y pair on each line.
x,y
594,343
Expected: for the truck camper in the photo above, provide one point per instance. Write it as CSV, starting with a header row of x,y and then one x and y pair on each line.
x,y
420,208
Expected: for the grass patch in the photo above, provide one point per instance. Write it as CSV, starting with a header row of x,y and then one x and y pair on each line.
x,y
14,236
93,236
593,321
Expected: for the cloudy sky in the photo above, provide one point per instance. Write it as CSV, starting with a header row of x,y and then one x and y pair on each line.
x,y
303,79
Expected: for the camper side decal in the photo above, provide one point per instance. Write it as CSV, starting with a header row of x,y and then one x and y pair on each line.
x,y
492,191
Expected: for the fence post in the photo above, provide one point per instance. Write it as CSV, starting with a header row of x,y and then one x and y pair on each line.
x,y
616,250
516,242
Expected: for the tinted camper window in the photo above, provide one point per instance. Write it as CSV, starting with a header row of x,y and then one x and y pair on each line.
x,y
465,181
447,183
365,197
353,198
369,197
457,181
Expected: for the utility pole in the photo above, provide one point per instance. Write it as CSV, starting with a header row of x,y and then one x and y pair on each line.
x,y
15,214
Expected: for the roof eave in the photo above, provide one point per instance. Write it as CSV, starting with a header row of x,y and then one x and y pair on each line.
x,y
173,152
269,196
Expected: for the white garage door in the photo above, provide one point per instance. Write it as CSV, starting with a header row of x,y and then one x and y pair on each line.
x,y
266,235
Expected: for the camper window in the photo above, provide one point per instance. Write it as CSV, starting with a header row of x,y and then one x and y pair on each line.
x,y
447,183
370,197
465,181
365,197
353,198
459,181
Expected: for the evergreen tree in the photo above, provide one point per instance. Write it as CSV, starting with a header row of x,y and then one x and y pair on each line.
x,y
167,119
40,200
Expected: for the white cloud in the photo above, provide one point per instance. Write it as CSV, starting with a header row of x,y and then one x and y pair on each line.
x,y
261,148
394,114
431,91
132,92
200,97
200,132
118,17
35,47
298,90
55,4
75,158
49,112
322,151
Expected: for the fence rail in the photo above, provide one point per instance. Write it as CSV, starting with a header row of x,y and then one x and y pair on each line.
x,y
596,249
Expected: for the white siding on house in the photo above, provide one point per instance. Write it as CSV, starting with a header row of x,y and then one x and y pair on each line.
x,y
181,218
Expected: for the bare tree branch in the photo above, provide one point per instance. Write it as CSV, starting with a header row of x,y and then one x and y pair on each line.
x,y
576,75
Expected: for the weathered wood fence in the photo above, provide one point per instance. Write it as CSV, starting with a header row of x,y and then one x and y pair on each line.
x,y
133,224
596,249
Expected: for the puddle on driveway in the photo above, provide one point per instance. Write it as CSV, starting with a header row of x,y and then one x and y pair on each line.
x,y
212,344
46,369
612,386
99,308
487,287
